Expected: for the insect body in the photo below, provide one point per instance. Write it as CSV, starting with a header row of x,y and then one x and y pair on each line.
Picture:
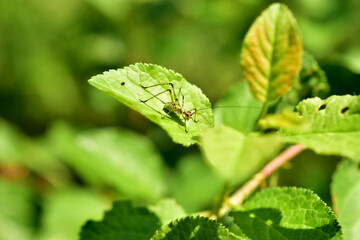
x,y
174,106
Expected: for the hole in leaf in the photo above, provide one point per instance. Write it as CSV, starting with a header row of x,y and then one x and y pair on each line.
x,y
322,107
344,110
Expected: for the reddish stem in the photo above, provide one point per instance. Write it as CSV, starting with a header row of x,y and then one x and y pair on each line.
x,y
239,196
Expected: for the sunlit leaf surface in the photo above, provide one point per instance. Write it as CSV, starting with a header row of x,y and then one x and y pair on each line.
x,y
287,213
271,54
236,156
126,86
334,126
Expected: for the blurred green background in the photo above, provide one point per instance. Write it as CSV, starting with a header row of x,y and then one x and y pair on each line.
x,y
61,139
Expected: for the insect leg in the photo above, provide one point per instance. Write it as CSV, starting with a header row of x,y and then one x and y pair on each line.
x,y
182,96
194,112
172,94
167,90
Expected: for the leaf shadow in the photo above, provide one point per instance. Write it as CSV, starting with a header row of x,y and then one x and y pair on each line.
x,y
194,229
171,116
123,221
265,223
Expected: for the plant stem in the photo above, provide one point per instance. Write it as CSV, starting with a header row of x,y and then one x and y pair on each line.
x,y
239,196
263,113
264,110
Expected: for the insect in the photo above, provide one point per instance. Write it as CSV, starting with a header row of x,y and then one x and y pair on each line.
x,y
174,106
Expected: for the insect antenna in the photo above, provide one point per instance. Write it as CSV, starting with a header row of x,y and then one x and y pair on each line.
x,y
250,107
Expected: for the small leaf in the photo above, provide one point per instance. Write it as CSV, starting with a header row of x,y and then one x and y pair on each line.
x,y
194,228
287,213
239,109
346,190
126,86
271,54
115,157
167,210
335,126
235,156
123,221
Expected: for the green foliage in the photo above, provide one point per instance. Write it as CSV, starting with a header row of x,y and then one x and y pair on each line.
x,y
346,191
276,213
234,155
197,228
287,213
53,177
271,54
124,221
334,126
115,157
131,92
239,109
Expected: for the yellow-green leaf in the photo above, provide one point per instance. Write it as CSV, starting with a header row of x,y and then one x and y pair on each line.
x,y
235,156
271,54
285,120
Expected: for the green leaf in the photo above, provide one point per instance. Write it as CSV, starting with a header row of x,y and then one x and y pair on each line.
x,y
131,92
334,126
346,191
123,221
115,157
167,210
239,109
271,54
194,228
195,185
236,156
287,213
70,209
